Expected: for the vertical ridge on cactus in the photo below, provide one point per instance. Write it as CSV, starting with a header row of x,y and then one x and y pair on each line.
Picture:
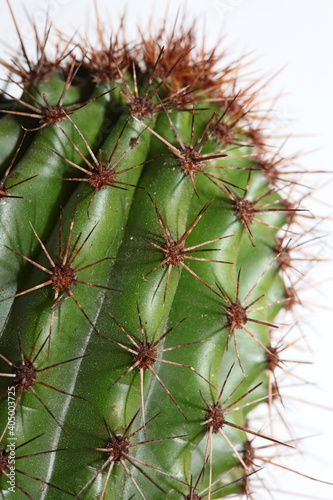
x,y
155,154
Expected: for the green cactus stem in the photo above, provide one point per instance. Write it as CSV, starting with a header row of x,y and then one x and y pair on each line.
x,y
142,272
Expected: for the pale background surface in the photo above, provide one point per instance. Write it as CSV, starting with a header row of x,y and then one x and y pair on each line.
x,y
296,33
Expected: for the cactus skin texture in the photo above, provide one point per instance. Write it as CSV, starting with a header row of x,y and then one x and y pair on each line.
x,y
147,235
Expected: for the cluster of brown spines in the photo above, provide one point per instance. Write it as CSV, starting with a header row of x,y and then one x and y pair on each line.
x,y
62,277
188,77
8,458
26,375
4,464
146,356
40,70
117,446
215,417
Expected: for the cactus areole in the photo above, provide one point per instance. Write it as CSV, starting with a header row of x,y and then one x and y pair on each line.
x,y
144,239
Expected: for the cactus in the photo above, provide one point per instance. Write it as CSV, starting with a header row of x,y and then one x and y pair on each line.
x,y
147,260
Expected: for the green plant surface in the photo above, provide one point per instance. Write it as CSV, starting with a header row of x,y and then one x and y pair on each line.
x,y
141,281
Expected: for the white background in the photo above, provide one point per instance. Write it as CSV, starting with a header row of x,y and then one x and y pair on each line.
x,y
296,35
